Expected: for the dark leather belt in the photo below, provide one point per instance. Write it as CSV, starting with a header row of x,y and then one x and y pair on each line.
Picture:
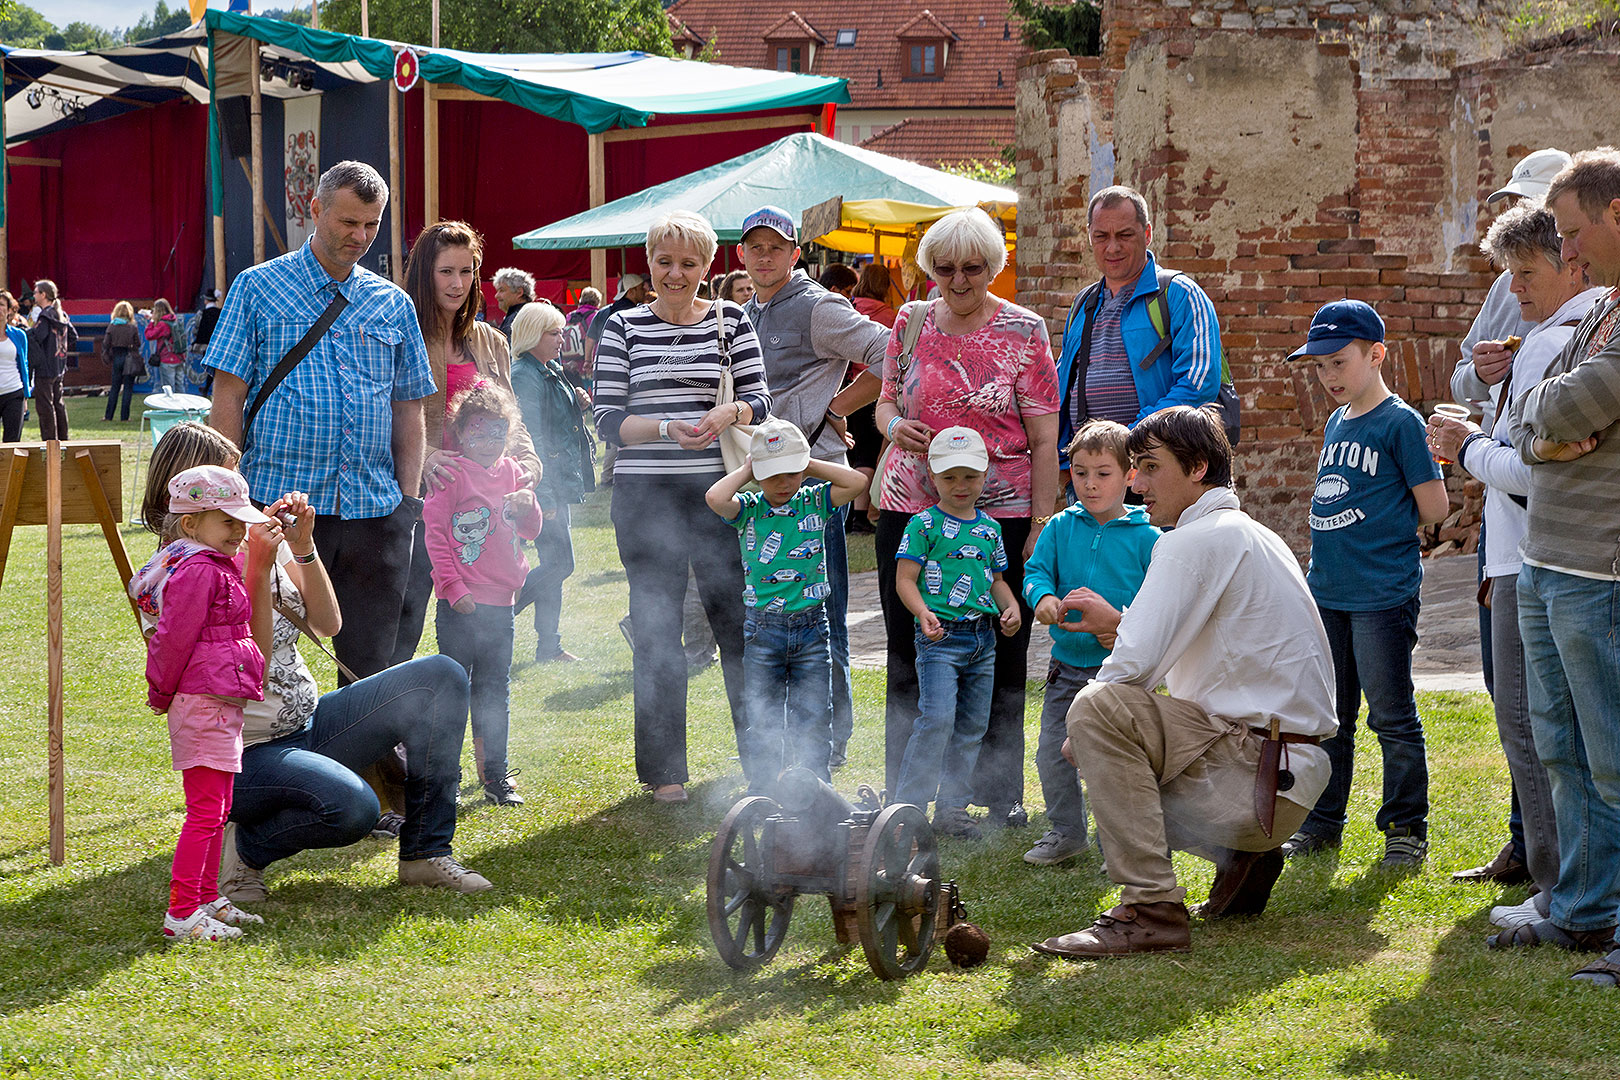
x,y
1270,771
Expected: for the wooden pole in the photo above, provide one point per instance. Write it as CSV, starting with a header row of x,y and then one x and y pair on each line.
x,y
314,14
256,155
597,158
53,648
430,153
219,252
396,241
365,19
435,24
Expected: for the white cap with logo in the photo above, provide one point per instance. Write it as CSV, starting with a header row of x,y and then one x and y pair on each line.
x,y
1532,175
778,447
958,448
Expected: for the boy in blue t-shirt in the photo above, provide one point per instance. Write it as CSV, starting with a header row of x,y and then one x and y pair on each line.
x,y
954,550
1098,545
1375,485
787,658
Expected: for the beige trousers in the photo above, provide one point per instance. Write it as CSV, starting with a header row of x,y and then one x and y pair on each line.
x,y
1164,775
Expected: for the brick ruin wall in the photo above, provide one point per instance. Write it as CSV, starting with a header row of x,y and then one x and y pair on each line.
x,y
1295,153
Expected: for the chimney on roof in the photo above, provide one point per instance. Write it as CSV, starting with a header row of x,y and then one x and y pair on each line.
x,y
1006,31
880,78
999,83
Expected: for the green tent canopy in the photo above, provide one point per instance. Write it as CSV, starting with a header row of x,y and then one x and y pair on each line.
x,y
793,173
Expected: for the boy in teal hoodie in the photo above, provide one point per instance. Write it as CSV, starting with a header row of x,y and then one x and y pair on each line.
x,y
1103,546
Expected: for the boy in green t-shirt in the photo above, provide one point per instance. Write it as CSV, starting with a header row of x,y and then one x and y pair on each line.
x,y
954,549
787,658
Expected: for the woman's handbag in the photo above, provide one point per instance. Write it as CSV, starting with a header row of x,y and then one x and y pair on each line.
x,y
916,313
737,439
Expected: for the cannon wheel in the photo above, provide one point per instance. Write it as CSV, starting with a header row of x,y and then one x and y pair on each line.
x,y
897,892
748,923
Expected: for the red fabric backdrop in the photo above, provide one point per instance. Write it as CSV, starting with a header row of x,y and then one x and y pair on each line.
x,y
102,224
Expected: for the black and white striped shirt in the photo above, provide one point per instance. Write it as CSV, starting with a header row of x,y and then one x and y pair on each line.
x,y
648,367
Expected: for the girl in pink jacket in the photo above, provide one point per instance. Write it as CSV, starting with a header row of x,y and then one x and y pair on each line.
x,y
474,530
202,663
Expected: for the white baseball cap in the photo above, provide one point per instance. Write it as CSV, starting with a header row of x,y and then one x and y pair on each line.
x,y
958,448
628,282
778,447
1533,175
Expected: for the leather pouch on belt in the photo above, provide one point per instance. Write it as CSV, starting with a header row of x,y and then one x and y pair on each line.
x,y
1265,779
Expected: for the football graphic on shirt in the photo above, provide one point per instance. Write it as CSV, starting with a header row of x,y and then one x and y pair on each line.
x,y
1330,488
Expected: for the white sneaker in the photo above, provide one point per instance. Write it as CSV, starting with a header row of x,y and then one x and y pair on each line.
x,y
1054,848
1508,916
442,872
200,925
228,913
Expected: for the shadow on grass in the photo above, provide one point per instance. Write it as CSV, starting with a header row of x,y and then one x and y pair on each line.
x,y
603,577
38,852
610,686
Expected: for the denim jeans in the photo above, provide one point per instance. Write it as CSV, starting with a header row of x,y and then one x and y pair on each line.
x,y
1060,781
1572,655
369,561
787,680
482,643
554,562
170,375
1534,822
1372,654
301,791
414,602
955,680
124,369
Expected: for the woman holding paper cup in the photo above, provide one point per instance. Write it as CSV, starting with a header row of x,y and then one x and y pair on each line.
x,y
1553,295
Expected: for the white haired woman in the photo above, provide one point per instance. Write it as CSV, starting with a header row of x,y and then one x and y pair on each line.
x,y
658,375
983,363
551,412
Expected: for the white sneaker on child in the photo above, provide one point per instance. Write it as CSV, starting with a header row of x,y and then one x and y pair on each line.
x,y
198,926
231,915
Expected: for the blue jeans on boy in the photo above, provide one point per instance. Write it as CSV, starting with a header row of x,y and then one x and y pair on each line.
x,y
1372,654
787,683
1060,781
1572,652
482,643
302,790
956,677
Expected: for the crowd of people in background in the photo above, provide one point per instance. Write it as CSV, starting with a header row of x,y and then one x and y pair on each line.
x,y
405,447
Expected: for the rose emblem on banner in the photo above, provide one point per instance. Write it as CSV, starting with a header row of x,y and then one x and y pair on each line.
x,y
407,68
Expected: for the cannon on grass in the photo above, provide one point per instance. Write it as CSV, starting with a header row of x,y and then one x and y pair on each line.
x,y
878,867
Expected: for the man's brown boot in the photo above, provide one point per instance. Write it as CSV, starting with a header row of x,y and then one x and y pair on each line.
x,y
1127,929
1242,885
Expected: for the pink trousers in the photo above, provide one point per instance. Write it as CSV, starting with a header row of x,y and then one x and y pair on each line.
x,y
193,881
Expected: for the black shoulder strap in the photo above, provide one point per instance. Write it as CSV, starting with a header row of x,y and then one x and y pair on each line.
x,y
284,367
1086,305
1160,304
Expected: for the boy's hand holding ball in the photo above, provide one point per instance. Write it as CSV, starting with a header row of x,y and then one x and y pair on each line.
x,y
1049,610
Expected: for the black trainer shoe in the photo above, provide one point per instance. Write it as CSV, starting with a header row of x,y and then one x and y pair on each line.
x,y
503,792
1404,850
1307,843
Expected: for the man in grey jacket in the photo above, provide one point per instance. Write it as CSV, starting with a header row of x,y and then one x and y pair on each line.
x,y
809,337
1568,428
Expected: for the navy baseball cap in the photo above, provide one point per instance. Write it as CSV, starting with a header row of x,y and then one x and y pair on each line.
x,y
773,218
1337,324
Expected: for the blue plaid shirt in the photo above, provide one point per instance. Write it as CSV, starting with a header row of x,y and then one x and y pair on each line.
x,y
327,429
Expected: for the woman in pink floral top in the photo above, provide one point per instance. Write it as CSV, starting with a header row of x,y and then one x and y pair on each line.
x,y
984,363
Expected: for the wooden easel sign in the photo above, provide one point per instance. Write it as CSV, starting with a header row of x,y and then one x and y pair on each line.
x,y
35,489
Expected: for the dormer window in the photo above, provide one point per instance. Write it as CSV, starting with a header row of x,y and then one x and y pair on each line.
x,y
845,39
792,41
926,44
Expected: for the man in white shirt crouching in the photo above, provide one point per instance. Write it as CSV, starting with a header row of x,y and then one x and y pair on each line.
x,y
1229,763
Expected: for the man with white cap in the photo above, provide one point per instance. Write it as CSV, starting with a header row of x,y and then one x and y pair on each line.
x,y
809,336
1484,367
782,530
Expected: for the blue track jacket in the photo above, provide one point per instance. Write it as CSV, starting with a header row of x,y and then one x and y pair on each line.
x,y
1075,552
1187,373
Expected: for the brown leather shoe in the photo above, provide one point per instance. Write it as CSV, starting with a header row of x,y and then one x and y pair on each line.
x,y
1502,870
1243,881
1127,929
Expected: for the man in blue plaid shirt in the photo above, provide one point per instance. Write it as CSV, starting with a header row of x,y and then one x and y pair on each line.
x,y
346,425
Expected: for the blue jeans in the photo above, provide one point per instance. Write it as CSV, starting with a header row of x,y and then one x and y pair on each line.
x,y
301,791
554,562
1569,626
172,376
1372,654
482,643
1060,781
836,550
786,681
955,680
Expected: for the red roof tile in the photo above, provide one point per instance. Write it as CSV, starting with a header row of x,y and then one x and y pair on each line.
x,y
933,140
792,26
983,40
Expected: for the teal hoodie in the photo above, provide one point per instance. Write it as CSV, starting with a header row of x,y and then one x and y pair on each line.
x,y
1075,552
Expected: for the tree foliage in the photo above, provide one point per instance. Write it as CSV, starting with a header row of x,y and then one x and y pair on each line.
x,y
161,21
514,25
1075,25
23,27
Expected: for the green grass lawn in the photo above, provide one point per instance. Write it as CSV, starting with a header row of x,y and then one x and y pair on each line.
x,y
591,957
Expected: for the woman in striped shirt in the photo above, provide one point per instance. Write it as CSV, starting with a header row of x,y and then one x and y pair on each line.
x,y
658,371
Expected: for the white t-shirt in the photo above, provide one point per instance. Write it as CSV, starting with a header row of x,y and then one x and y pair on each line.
x,y
10,374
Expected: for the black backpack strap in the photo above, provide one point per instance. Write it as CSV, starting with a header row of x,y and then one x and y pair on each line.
x,y
284,367
1086,305
1161,304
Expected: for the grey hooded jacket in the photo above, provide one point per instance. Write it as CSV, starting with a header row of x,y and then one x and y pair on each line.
x,y
809,336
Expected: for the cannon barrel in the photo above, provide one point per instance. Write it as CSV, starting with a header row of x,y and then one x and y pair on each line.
x,y
803,793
